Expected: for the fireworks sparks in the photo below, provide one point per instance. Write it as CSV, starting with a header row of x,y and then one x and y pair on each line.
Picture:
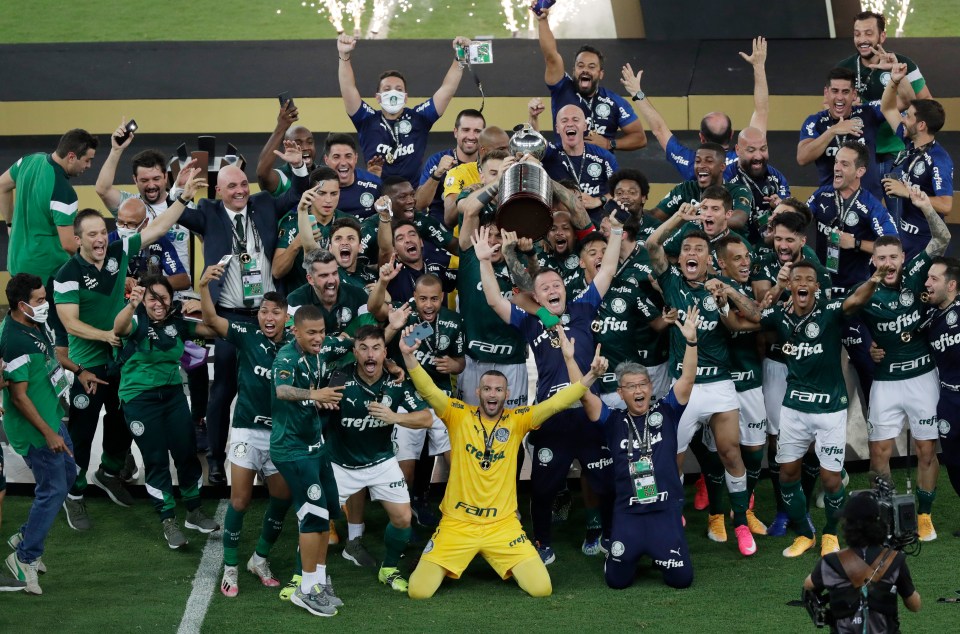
x,y
347,15
896,12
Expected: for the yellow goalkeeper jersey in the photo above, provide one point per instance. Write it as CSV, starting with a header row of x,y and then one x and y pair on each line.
x,y
474,493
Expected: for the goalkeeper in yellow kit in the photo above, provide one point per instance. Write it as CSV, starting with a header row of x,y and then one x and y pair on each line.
x,y
480,504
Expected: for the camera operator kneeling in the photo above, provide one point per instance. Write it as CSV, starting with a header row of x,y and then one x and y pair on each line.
x,y
862,582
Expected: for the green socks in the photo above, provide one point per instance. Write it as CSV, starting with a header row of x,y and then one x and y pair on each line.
x,y
272,524
395,540
232,525
808,475
833,505
796,504
925,500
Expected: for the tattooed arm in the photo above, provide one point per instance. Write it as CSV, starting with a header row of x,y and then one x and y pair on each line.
x,y
518,271
572,202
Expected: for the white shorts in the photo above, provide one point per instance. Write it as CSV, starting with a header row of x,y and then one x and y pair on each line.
x,y
827,431
660,378
774,389
384,481
706,399
913,399
468,381
250,449
753,421
408,443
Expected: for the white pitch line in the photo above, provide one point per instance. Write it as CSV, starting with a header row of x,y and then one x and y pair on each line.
x,y
206,579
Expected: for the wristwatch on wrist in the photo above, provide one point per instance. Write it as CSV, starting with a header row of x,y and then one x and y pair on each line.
x,y
435,176
639,96
613,144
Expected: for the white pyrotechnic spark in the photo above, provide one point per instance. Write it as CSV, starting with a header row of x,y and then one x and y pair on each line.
x,y
517,11
896,12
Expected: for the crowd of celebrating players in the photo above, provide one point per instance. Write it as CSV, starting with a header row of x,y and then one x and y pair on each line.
x,y
368,316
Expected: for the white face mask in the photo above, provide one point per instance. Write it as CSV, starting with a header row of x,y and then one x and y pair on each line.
x,y
392,101
40,313
125,232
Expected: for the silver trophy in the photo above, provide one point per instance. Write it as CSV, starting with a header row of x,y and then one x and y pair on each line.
x,y
526,190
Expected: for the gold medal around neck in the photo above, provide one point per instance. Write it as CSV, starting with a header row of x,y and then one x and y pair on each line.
x,y
390,157
925,297
905,337
245,258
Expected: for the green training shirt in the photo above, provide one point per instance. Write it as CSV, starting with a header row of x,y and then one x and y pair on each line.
x,y
44,200
29,357
156,362
99,294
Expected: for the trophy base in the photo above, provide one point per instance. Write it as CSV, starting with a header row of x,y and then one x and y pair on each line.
x,y
525,214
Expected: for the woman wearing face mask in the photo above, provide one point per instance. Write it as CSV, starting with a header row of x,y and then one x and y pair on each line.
x,y
154,403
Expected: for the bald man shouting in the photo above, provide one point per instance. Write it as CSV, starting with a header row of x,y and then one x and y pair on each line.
x,y
577,161
245,228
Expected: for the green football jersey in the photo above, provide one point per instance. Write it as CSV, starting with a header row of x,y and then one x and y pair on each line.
x,y
811,344
745,362
361,276
30,358
671,246
355,438
713,355
255,356
568,266
44,200
99,294
767,267
351,302
446,341
297,427
893,316
156,362
690,192
622,328
489,339
285,175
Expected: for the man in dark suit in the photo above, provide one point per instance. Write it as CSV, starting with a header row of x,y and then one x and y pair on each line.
x,y
244,227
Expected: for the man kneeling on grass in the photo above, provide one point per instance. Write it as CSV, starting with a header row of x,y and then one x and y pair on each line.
x,y
479,507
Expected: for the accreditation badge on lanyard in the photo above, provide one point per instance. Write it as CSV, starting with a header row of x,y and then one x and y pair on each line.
x,y
58,379
251,277
641,470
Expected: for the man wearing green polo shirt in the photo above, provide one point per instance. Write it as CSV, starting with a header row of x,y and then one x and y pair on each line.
x,y
34,393
88,298
41,217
